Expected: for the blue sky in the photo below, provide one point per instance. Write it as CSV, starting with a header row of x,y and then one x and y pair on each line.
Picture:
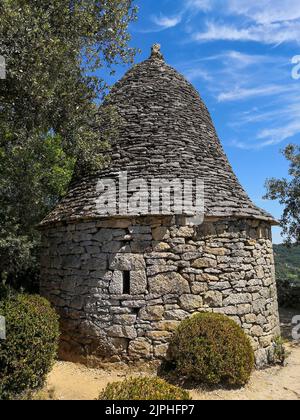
x,y
238,54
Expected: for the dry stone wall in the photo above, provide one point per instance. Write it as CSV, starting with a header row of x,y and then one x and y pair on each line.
x,y
122,286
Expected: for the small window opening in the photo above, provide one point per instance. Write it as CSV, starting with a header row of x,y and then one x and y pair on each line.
x,y
126,282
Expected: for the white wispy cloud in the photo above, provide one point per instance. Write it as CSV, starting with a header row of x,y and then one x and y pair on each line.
x,y
166,22
278,134
238,60
265,11
277,124
193,74
238,78
203,5
264,21
239,93
260,11
273,33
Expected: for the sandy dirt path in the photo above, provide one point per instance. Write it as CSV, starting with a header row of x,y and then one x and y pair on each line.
x,y
76,382
275,383
71,381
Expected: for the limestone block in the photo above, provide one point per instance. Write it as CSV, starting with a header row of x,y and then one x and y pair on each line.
x,y
139,348
266,341
116,284
157,269
77,302
95,263
159,335
138,282
204,263
161,246
198,288
160,233
243,309
120,346
215,251
122,331
257,331
250,318
260,272
119,233
258,305
92,250
169,325
140,230
68,284
206,277
220,285
161,350
112,247
176,314
134,303
185,232
124,319
181,249
228,310
261,358
118,310
213,299
168,283
190,302
151,313
103,235
237,298
127,262
188,256
71,261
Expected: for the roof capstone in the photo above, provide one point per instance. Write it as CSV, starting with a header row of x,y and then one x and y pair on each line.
x,y
156,52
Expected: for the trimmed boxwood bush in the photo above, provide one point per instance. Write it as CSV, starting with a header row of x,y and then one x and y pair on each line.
x,y
146,388
28,353
212,349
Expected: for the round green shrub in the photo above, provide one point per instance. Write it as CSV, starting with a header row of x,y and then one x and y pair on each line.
x,y
212,349
145,388
28,353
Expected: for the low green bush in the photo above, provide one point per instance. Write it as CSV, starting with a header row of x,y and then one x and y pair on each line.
x,y
145,388
28,353
212,349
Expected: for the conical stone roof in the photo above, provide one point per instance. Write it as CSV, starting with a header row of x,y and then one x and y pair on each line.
x,y
167,132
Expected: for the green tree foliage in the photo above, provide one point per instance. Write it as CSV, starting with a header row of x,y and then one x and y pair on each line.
x,y
287,261
49,119
34,176
287,191
53,49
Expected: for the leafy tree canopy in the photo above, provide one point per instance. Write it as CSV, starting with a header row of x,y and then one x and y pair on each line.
x,y
287,191
49,117
287,262
52,50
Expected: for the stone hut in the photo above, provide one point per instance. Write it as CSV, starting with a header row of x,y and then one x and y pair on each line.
x,y
122,283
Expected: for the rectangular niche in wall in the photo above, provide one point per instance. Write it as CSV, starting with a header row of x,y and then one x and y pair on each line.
x,y
126,282
128,274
